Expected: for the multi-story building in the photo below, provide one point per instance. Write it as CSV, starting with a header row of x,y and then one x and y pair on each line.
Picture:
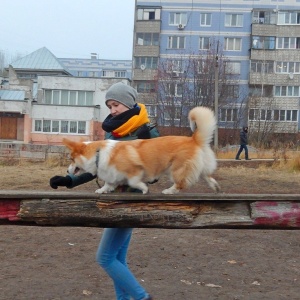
x,y
41,102
95,67
258,42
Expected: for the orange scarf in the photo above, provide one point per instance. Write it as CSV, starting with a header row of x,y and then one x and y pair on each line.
x,y
133,123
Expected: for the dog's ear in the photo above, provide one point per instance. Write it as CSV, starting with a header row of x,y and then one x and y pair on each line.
x,y
69,144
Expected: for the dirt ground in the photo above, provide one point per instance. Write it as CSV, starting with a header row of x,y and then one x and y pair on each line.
x,y
59,262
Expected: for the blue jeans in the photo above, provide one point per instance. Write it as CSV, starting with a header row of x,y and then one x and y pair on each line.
x,y
111,256
243,146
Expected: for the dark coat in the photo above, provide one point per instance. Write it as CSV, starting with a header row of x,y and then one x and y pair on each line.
x,y
243,138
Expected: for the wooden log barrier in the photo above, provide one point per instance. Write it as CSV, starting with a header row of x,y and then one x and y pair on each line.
x,y
269,211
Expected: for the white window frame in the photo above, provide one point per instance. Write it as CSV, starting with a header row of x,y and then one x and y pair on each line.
x,y
177,88
286,91
287,67
205,19
152,110
178,42
57,99
233,67
235,42
177,65
229,115
288,18
176,18
177,115
234,20
148,14
288,43
203,41
150,62
46,126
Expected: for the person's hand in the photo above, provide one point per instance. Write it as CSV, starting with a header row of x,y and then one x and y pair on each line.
x,y
60,181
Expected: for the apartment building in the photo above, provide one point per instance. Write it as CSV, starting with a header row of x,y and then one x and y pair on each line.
x,y
257,40
95,67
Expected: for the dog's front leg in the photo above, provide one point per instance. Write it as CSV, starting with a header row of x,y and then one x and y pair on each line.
x,y
107,188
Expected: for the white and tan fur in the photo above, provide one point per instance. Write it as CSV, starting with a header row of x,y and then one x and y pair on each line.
x,y
183,159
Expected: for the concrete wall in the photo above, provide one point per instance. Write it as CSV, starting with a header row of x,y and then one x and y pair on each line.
x,y
30,151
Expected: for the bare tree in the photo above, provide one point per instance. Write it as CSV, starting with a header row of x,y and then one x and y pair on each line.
x,y
189,80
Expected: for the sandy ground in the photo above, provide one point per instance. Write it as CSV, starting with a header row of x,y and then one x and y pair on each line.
x,y
59,262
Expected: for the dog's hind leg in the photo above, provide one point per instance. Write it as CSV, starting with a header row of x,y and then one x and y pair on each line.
x,y
171,190
212,183
136,183
107,188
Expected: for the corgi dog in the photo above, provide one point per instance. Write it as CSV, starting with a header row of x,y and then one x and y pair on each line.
x,y
135,162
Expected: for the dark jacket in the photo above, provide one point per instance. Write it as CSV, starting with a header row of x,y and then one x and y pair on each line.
x,y
243,137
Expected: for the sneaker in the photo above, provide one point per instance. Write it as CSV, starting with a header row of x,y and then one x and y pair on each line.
x,y
237,159
248,159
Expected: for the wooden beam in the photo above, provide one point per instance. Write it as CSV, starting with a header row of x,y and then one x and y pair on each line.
x,y
280,211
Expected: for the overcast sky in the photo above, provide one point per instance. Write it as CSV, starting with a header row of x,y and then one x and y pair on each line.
x,y
68,28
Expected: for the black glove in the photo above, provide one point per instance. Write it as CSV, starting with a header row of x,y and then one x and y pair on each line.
x,y
143,132
60,181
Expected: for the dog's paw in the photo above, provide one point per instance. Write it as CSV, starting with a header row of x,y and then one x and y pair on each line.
x,y
102,191
170,191
145,191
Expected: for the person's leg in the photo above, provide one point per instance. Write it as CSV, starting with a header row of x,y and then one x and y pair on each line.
x,y
111,255
246,152
239,152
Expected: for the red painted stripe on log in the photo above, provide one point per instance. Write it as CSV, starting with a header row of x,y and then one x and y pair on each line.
x,y
281,214
9,209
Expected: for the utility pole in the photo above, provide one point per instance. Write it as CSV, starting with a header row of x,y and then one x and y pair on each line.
x,y
216,142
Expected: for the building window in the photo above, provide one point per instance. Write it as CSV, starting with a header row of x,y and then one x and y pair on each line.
x,y
264,17
288,67
120,74
288,43
263,42
147,39
273,115
229,115
204,43
152,110
232,67
146,61
177,66
65,97
60,126
288,17
176,42
234,20
106,73
233,44
261,91
232,91
287,91
171,114
258,66
148,14
145,87
174,89
176,18
205,19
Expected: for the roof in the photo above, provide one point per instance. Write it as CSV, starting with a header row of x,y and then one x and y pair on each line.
x,y
41,59
12,95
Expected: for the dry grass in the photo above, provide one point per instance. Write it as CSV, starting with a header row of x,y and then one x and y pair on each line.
x,y
282,177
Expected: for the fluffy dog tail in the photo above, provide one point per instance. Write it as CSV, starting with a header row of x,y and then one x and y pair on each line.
x,y
203,124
